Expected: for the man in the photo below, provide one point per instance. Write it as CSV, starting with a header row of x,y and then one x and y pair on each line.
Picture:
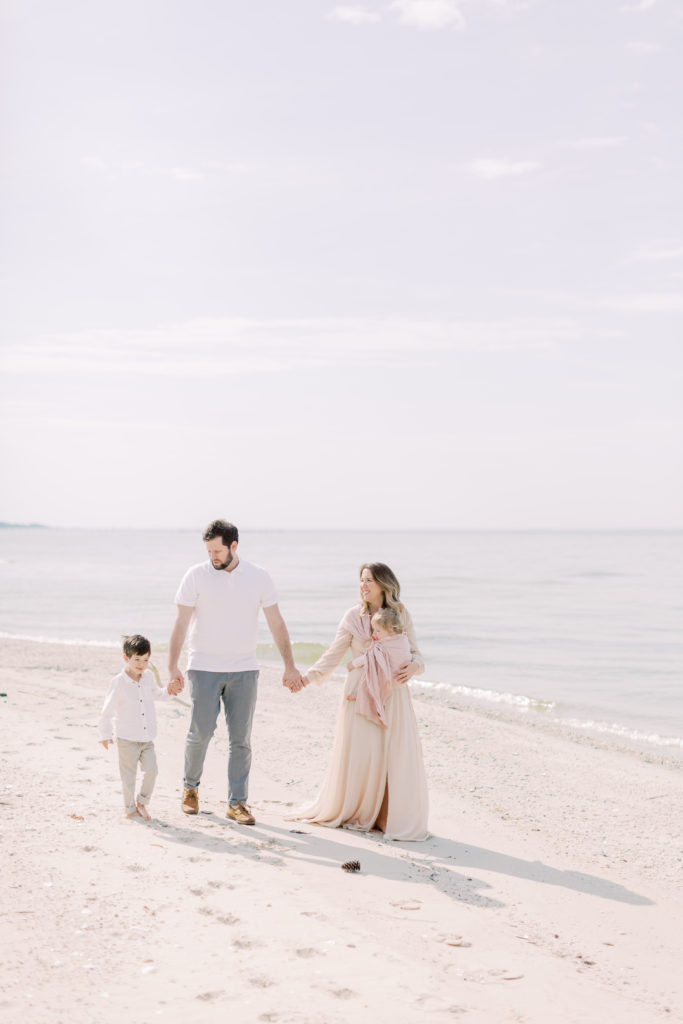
x,y
220,601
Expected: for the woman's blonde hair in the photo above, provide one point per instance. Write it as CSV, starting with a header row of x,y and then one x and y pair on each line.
x,y
391,588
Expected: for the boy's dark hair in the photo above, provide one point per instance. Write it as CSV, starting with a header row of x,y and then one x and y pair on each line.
x,y
223,529
136,644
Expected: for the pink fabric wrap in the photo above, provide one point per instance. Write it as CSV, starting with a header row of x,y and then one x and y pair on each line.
x,y
379,664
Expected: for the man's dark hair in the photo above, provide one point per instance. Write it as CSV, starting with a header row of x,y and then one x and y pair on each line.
x,y
136,644
223,529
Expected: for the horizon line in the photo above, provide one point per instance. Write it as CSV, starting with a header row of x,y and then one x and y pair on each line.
x,y
367,529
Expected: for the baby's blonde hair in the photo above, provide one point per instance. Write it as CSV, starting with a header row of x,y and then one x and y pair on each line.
x,y
387,618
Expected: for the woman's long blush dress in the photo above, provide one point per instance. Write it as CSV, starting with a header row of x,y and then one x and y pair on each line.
x,y
376,777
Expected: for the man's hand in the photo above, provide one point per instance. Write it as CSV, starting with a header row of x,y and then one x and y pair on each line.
x,y
291,677
405,672
293,680
175,645
176,683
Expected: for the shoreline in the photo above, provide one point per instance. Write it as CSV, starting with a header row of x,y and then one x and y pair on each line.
x,y
551,887
632,739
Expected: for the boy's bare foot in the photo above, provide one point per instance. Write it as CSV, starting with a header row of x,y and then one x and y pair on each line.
x,y
133,814
143,812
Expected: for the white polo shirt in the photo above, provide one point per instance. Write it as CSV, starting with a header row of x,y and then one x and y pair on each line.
x,y
224,625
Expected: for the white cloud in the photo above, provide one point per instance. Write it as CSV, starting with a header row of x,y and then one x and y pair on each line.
x,y
231,346
354,15
653,302
596,142
492,168
638,8
94,163
428,14
511,4
659,252
185,174
643,47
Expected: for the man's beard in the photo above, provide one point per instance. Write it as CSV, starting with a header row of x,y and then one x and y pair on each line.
x,y
224,565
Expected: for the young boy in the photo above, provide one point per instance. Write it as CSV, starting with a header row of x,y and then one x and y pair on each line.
x,y
390,650
128,712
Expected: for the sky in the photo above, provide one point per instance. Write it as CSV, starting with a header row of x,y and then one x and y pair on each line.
x,y
380,265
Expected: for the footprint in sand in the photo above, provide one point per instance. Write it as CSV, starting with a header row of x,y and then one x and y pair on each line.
x,y
261,982
308,952
227,919
208,997
343,993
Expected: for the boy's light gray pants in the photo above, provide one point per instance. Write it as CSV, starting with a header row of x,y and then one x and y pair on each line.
x,y
130,753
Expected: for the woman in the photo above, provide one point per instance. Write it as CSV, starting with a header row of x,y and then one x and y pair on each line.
x,y
376,778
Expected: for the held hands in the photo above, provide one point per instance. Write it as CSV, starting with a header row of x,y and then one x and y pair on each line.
x,y
177,682
105,743
293,680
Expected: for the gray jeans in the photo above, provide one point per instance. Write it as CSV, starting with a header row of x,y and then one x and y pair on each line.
x,y
132,753
237,690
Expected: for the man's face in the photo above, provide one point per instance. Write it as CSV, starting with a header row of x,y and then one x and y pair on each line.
x,y
220,554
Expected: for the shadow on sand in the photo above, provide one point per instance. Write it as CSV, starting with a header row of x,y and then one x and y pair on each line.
x,y
438,861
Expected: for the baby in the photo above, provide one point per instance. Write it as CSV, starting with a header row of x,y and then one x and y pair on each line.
x,y
389,652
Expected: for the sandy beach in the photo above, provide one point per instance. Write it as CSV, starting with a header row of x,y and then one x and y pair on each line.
x,y
550,890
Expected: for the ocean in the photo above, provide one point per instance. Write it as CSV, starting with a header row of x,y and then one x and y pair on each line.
x,y
577,628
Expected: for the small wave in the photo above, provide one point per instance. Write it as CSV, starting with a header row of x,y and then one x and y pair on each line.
x,y
75,642
599,575
305,653
516,700
523,703
622,731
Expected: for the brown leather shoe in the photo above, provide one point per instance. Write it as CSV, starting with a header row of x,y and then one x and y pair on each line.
x,y
240,814
190,801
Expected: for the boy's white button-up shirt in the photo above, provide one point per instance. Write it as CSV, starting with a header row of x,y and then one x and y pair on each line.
x,y
128,711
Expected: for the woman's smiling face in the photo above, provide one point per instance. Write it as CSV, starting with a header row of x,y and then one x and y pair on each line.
x,y
370,590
